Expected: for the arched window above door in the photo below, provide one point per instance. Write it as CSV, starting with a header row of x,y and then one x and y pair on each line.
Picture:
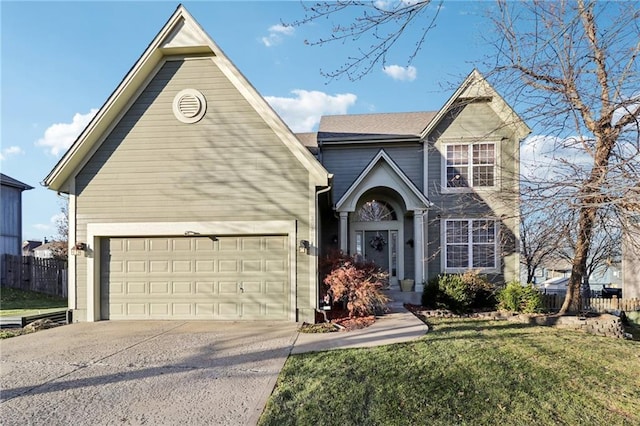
x,y
375,211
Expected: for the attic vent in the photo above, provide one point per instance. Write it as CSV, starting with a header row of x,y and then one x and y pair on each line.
x,y
189,106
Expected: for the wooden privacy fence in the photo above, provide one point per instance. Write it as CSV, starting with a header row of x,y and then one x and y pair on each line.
x,y
47,276
553,302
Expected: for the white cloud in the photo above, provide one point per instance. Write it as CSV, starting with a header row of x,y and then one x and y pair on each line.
x,y
276,33
52,225
401,73
303,111
58,137
43,227
12,150
546,158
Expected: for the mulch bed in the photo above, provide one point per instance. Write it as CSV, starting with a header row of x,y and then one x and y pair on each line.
x,y
338,321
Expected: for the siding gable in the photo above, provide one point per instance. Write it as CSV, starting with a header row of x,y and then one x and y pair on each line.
x,y
231,161
347,162
181,36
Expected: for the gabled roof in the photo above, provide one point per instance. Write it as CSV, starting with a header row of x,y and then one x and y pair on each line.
x,y
402,125
9,181
476,87
417,125
391,176
29,245
181,35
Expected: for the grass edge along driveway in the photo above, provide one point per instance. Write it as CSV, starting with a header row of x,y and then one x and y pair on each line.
x,y
465,372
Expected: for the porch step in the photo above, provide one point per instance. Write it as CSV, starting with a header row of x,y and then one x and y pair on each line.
x,y
399,298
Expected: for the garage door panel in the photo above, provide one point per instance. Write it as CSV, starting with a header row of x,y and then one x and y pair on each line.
x,y
252,287
159,287
275,287
205,266
228,287
159,309
275,309
237,277
136,309
228,309
205,288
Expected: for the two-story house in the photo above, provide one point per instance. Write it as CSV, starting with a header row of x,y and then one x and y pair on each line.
x,y
424,193
190,198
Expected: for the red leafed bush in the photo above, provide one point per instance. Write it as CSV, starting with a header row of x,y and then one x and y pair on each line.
x,y
358,283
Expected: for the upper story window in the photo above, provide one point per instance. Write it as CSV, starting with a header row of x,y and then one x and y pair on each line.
x,y
470,165
375,211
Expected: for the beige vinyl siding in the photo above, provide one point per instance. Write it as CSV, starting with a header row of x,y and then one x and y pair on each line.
x,y
228,166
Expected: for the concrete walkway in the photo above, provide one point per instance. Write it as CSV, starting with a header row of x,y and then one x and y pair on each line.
x,y
397,326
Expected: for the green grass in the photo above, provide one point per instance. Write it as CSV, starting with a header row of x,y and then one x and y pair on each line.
x,y
465,372
15,302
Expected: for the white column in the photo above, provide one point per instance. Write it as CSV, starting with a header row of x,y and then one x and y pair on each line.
x,y
344,222
418,248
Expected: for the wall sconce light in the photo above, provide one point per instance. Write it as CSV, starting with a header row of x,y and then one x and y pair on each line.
x,y
78,248
304,246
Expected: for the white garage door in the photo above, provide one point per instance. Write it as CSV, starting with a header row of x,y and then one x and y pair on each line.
x,y
228,277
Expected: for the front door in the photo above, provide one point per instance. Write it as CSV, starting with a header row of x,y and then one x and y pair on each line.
x,y
376,248
381,247
375,230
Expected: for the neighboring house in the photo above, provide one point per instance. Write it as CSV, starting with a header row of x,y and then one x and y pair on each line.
x,y
28,246
11,219
189,198
11,206
554,277
631,259
555,285
48,250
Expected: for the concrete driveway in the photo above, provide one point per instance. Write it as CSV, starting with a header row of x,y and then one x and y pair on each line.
x,y
142,372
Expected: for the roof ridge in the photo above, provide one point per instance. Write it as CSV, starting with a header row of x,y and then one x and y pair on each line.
x,y
380,113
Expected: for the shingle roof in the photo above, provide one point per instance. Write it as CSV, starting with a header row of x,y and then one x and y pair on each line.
x,y
310,140
9,181
400,125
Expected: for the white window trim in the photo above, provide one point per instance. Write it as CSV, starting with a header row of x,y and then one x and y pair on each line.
x,y
443,239
496,169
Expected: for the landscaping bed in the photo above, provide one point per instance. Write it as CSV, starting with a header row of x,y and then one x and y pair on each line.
x,y
338,320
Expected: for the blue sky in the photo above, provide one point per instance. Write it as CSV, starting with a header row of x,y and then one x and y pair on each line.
x,y
61,60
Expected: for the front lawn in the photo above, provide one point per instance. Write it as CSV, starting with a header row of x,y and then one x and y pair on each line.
x,y
465,372
15,302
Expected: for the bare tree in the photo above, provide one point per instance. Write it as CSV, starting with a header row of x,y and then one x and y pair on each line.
x,y
541,235
59,243
573,67
376,26
571,70
605,247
